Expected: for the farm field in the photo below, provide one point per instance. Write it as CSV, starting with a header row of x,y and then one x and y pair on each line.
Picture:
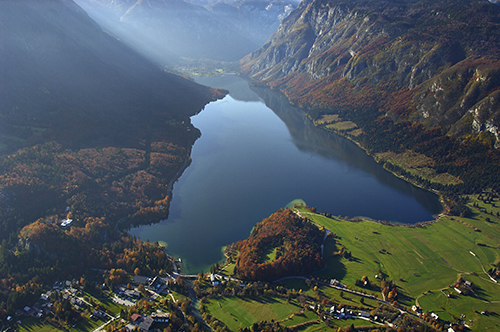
x,y
422,261
419,165
237,312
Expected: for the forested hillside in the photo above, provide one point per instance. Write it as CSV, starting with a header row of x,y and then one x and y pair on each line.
x,y
283,244
92,134
397,76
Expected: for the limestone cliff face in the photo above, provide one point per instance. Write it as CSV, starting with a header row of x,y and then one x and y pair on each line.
x,y
444,53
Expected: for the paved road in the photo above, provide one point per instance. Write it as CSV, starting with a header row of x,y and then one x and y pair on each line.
x,y
106,323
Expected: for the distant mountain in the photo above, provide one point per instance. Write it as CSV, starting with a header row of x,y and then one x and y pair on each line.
x,y
211,2
62,77
437,62
168,29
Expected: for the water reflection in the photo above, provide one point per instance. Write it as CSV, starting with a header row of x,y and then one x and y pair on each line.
x,y
251,160
311,139
238,88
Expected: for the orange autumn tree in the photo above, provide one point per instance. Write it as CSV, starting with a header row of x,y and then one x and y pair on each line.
x,y
283,244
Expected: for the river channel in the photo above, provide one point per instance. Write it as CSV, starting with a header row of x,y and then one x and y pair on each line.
x,y
255,155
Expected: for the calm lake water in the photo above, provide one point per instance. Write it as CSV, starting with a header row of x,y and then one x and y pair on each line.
x,y
256,154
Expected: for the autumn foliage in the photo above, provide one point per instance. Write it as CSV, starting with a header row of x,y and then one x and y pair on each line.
x,y
411,75
295,242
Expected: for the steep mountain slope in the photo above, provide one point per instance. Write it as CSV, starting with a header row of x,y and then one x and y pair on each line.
x,y
59,69
433,63
89,131
168,29
87,125
232,2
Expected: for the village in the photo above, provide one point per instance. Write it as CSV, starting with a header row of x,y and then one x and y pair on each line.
x,y
147,303
68,302
116,300
141,305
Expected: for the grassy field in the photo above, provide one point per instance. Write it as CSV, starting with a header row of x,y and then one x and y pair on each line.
x,y
344,125
31,324
424,259
327,118
238,312
333,122
417,164
177,296
111,307
269,256
333,294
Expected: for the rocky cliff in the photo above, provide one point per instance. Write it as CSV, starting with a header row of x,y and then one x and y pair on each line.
x,y
429,62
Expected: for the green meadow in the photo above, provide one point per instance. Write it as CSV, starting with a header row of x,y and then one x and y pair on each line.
x,y
423,261
238,312
31,324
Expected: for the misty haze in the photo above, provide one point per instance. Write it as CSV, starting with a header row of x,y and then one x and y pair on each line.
x,y
250,165
166,31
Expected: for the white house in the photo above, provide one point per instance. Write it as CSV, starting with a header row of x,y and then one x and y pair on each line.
x,y
66,222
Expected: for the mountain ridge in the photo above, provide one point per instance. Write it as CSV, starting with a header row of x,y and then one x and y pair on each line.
x,y
414,44
404,75
58,63
88,125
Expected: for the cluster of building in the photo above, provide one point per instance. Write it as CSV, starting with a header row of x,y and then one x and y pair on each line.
x,y
36,310
344,313
43,308
127,294
459,286
341,313
145,322
156,284
130,296
66,222
67,290
417,310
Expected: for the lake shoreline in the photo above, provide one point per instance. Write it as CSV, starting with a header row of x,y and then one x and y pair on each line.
x,y
254,155
379,161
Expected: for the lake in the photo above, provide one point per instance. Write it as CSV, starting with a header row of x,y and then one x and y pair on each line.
x,y
256,154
